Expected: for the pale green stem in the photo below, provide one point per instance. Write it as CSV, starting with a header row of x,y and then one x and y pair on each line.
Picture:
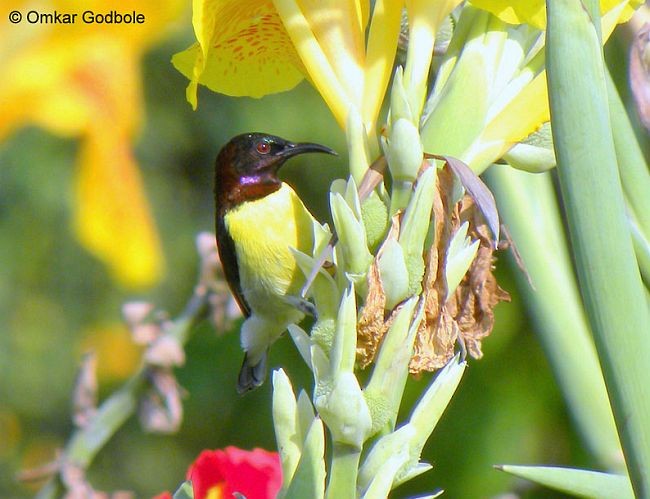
x,y
609,278
343,472
400,195
529,209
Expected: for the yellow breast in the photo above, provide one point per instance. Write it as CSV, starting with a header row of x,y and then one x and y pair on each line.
x,y
263,231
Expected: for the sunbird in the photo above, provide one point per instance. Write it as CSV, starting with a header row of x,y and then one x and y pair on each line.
x,y
259,219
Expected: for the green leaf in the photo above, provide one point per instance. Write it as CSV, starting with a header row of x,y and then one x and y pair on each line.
x,y
528,204
185,491
577,482
386,386
609,278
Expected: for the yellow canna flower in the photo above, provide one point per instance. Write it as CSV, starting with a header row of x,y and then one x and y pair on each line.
x,y
82,80
258,47
533,12
241,49
477,113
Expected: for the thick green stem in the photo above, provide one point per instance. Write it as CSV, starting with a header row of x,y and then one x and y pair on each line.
x,y
400,196
609,277
343,472
529,209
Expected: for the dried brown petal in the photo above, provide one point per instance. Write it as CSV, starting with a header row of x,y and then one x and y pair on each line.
x,y
465,317
475,298
477,190
84,396
136,312
161,410
166,351
74,479
437,334
77,485
371,327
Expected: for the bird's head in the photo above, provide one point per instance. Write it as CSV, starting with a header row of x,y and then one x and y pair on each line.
x,y
247,166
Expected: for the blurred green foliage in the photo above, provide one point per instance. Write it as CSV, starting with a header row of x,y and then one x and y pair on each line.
x,y
56,301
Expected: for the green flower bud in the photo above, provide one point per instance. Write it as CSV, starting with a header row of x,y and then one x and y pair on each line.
x,y
410,472
344,348
352,247
382,483
415,226
302,341
395,443
322,237
338,396
535,154
349,192
460,256
427,413
411,437
306,414
344,411
394,273
323,289
185,491
404,151
399,103
309,477
386,385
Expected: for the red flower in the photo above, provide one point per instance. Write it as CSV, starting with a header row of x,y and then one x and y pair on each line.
x,y
218,474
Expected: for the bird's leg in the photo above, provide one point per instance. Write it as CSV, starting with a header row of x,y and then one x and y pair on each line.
x,y
305,306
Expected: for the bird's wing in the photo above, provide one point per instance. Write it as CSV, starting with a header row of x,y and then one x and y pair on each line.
x,y
228,256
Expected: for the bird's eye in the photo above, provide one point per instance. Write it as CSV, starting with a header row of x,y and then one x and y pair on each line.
x,y
263,147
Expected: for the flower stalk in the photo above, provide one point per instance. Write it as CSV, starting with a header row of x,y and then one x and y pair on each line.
x,y
609,277
87,441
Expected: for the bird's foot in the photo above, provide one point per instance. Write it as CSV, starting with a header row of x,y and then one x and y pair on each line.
x,y
305,306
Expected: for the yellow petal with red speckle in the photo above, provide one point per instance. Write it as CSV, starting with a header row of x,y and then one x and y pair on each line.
x,y
242,50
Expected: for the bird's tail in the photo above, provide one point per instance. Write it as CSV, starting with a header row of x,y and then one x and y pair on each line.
x,y
251,375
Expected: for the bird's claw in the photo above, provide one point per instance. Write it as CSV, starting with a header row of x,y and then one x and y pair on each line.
x,y
305,306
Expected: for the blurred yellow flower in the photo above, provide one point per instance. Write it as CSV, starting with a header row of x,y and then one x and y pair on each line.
x,y
104,341
83,80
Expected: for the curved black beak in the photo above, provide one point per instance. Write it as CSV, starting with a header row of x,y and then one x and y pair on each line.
x,y
304,147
